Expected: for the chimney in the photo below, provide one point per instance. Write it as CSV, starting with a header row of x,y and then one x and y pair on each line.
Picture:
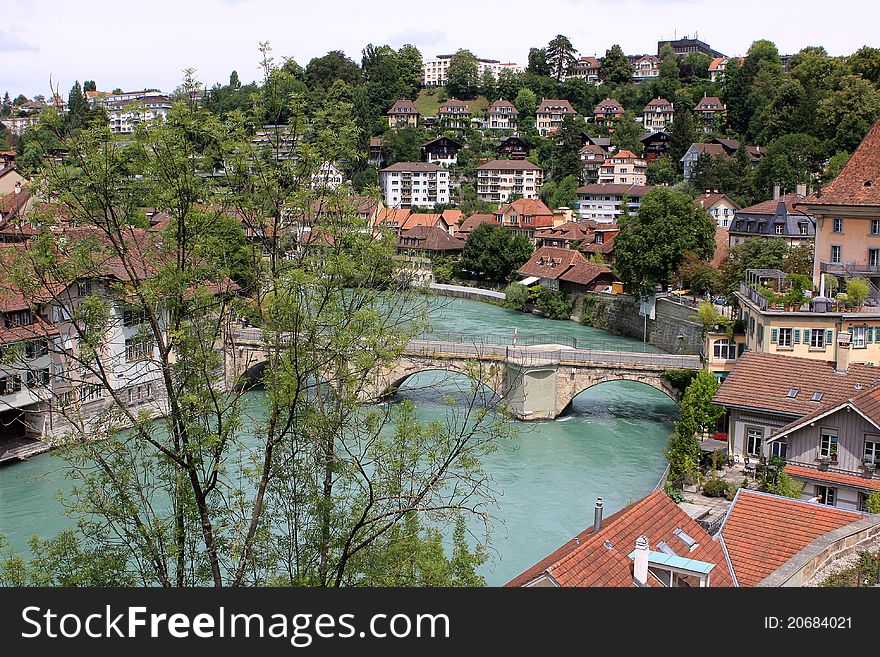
x,y
841,354
775,192
640,561
597,516
801,189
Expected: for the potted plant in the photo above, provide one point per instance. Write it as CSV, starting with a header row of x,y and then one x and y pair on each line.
x,y
833,452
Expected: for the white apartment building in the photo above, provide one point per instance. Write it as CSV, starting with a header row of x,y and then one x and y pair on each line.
x,y
646,68
405,184
128,109
435,69
499,180
603,203
327,177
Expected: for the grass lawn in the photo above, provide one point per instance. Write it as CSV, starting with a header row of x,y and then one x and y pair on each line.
x,y
428,102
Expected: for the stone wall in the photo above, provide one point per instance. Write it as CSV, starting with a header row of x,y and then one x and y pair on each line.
x,y
672,330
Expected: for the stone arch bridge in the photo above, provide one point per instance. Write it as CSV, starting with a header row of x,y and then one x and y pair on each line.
x,y
537,380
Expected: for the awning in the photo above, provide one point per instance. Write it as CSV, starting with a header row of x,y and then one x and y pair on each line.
x,y
531,280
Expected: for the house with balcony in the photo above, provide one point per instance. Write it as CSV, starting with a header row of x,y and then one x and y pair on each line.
x,y
125,112
719,206
513,148
592,159
709,113
655,144
847,212
658,114
499,180
785,217
623,168
604,203
375,156
454,114
525,217
403,114
419,246
550,114
414,183
501,115
442,151
586,68
607,111
646,68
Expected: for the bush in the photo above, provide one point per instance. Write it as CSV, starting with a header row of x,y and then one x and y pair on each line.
x,y
679,379
857,290
874,502
715,488
675,494
516,296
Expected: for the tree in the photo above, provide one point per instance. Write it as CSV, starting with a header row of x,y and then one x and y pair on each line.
x,y
488,86
561,194
753,253
697,274
509,84
847,113
874,502
866,62
537,63
698,400
668,80
835,166
567,144
322,72
409,63
799,260
628,133
561,55
662,171
320,490
789,160
695,67
526,102
615,68
516,296
651,246
493,253
404,145
89,85
77,109
681,135
703,175
463,76
857,290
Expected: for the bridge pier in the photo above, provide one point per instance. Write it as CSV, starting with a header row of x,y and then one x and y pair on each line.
x,y
531,391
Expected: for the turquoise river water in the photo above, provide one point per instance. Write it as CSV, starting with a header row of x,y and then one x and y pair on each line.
x,y
609,444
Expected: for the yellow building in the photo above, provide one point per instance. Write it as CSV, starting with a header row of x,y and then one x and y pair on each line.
x,y
721,351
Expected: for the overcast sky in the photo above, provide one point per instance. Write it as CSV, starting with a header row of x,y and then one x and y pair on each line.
x,y
148,44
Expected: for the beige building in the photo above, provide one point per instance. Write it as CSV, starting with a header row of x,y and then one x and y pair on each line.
x,y
550,114
403,114
658,114
499,180
623,168
501,115
719,206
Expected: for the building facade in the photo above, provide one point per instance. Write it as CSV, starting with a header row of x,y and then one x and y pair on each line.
x,y
414,183
623,168
499,180
603,203
658,114
550,113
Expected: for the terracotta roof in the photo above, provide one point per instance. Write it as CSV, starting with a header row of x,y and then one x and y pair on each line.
x,y
658,102
608,105
593,148
570,230
413,166
607,245
510,164
499,104
708,199
710,103
588,61
553,105
616,189
838,478
716,63
859,181
394,217
722,246
375,142
715,150
794,204
602,558
762,532
429,238
11,204
403,107
550,262
761,381
624,155
475,220
451,216
533,207
584,273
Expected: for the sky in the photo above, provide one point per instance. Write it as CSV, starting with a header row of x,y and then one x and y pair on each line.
x,y
149,44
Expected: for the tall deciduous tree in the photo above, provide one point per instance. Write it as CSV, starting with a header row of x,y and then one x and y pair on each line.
x,y
537,62
615,68
628,133
322,72
493,253
409,61
652,245
463,76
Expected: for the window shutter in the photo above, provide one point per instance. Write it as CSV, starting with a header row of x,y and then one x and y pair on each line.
x,y
797,336
829,336
741,347
869,334
774,335
807,337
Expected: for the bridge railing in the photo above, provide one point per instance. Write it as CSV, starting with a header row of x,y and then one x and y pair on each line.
x,y
480,338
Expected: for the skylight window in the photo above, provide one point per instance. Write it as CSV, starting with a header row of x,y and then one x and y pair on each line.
x,y
665,549
685,538
793,392
817,396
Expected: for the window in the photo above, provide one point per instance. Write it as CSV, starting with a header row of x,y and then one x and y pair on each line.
x,y
84,288
724,350
826,495
835,255
873,259
38,378
753,441
784,337
803,228
837,226
36,348
815,338
858,337
138,348
828,443
863,501
130,395
872,450
10,384
600,238
779,448
90,392
780,229
875,226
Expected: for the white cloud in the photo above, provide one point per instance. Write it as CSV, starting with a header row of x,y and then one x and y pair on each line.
x,y
11,43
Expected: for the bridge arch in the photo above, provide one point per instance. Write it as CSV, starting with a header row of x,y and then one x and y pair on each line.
x,y
584,381
489,375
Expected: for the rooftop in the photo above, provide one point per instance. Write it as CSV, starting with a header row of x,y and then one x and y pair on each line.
x,y
858,184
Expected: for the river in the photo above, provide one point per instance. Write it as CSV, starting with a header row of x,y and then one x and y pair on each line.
x,y
609,444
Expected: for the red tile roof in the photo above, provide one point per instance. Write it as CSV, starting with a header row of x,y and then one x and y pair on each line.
x,y
708,199
859,181
403,107
838,478
608,106
658,103
761,381
762,532
413,166
793,205
722,246
533,207
601,558
475,220
715,150
706,104
585,273
550,105
501,104
429,238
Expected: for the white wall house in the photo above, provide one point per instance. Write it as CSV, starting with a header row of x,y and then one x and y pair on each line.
x,y
405,184
435,69
499,180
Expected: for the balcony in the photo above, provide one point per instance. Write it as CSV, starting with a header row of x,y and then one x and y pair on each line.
x,y
850,268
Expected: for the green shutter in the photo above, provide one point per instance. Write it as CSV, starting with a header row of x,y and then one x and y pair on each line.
x,y
829,337
807,337
797,336
869,334
774,335
741,347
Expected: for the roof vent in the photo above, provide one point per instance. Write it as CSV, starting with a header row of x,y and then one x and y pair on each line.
x,y
793,392
665,549
858,386
868,183
686,539
608,545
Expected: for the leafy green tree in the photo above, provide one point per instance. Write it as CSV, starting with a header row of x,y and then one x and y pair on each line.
x,y
857,290
463,76
526,102
866,62
488,85
682,134
651,246
799,260
703,173
509,84
695,67
404,145
847,113
560,56
615,68
582,95
89,85
567,143
874,502
322,72
668,80
835,166
628,133
561,193
538,64
753,253
683,451
493,253
662,171
516,296
789,160
782,484
77,109
698,399
409,65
